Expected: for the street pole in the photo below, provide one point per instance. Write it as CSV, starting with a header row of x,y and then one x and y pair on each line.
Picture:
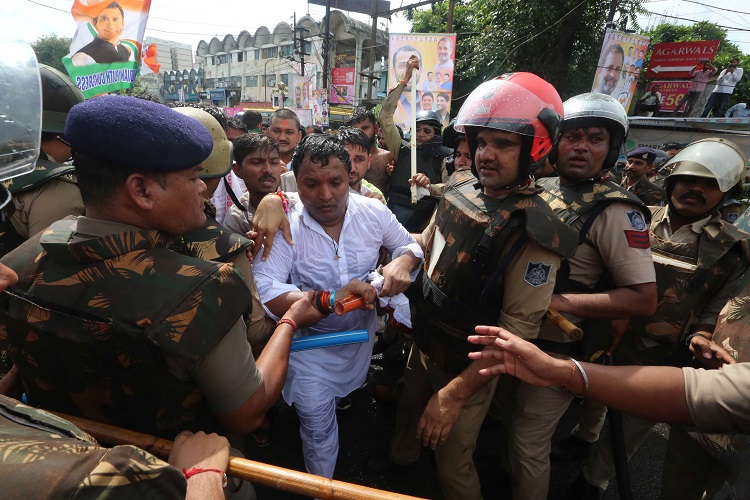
x,y
373,40
451,6
326,44
265,81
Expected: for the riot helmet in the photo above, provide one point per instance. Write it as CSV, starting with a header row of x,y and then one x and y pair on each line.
x,y
430,118
520,103
59,94
20,111
713,158
597,110
219,161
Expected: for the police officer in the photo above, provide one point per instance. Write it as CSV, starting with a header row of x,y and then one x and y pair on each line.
x,y
49,192
431,157
699,260
640,161
610,276
133,333
492,252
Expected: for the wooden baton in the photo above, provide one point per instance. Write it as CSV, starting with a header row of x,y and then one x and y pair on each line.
x,y
564,324
272,476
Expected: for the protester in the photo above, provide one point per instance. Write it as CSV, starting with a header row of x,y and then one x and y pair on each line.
x,y
741,110
364,119
700,75
337,241
286,129
650,102
725,84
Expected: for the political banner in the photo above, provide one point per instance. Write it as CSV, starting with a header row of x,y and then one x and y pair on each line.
x,y
672,92
437,54
620,65
300,92
105,53
342,86
320,107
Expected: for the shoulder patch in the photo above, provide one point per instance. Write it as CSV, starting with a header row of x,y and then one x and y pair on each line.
x,y
638,239
636,220
537,273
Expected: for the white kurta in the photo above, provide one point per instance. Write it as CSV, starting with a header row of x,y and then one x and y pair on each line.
x,y
316,378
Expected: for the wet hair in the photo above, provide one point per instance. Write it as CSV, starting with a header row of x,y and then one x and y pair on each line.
x,y
319,148
252,119
99,180
316,129
355,137
285,114
302,130
216,113
248,143
359,114
113,5
236,123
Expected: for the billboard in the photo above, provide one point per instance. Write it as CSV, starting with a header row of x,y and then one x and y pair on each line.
x,y
620,65
342,86
437,55
319,106
672,92
677,59
105,52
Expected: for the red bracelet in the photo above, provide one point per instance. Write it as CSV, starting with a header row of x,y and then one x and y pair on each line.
x,y
197,470
284,200
288,321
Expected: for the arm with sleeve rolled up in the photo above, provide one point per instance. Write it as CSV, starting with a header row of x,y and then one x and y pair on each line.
x,y
524,306
388,124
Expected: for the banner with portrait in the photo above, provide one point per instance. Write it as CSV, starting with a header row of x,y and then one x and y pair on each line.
x,y
319,106
105,53
342,86
620,65
437,55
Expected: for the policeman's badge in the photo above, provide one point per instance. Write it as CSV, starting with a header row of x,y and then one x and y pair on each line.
x,y
537,273
636,220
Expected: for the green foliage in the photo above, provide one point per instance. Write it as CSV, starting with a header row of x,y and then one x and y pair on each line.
x,y
560,41
50,49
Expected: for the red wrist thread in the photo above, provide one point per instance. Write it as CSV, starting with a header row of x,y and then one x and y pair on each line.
x,y
198,470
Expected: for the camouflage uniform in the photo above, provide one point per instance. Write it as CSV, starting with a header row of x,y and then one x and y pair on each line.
x,y
612,252
697,270
118,316
488,261
648,192
44,456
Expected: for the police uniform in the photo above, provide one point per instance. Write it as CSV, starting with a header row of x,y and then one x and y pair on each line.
x,y
613,252
648,192
699,267
107,322
41,197
489,261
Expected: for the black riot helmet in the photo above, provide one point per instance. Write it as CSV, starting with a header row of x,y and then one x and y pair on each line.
x,y
59,94
430,118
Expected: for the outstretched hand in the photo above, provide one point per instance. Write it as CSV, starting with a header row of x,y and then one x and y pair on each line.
x,y
516,356
268,219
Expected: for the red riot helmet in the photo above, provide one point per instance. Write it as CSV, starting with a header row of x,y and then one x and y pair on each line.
x,y
521,103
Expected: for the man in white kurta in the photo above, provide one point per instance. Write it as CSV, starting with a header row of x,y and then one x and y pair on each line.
x,y
337,237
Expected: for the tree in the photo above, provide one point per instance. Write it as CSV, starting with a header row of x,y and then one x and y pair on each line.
x,y
50,49
559,41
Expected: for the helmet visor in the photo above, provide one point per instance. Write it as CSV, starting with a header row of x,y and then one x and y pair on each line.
x,y
716,158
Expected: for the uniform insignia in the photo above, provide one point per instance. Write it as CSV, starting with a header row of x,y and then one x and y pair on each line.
x,y
537,273
638,239
636,220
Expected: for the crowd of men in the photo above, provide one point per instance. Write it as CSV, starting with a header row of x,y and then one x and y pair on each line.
x,y
140,300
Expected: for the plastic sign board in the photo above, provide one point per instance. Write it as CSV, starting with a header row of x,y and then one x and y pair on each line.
x,y
676,59
620,64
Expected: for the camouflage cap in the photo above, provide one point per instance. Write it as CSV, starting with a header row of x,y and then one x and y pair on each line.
x,y
138,134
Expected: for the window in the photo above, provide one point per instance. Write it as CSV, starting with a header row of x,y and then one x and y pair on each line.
x,y
222,59
284,79
235,81
269,52
239,56
210,83
251,81
286,50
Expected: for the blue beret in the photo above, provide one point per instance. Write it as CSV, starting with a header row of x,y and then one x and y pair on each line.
x,y
643,153
138,134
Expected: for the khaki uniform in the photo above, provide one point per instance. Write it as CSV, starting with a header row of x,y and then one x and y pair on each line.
x,y
612,246
451,309
699,267
648,192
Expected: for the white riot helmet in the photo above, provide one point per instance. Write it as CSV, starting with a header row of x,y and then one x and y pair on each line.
x,y
597,110
219,162
712,158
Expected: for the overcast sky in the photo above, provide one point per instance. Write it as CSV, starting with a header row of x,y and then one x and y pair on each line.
x,y
190,21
